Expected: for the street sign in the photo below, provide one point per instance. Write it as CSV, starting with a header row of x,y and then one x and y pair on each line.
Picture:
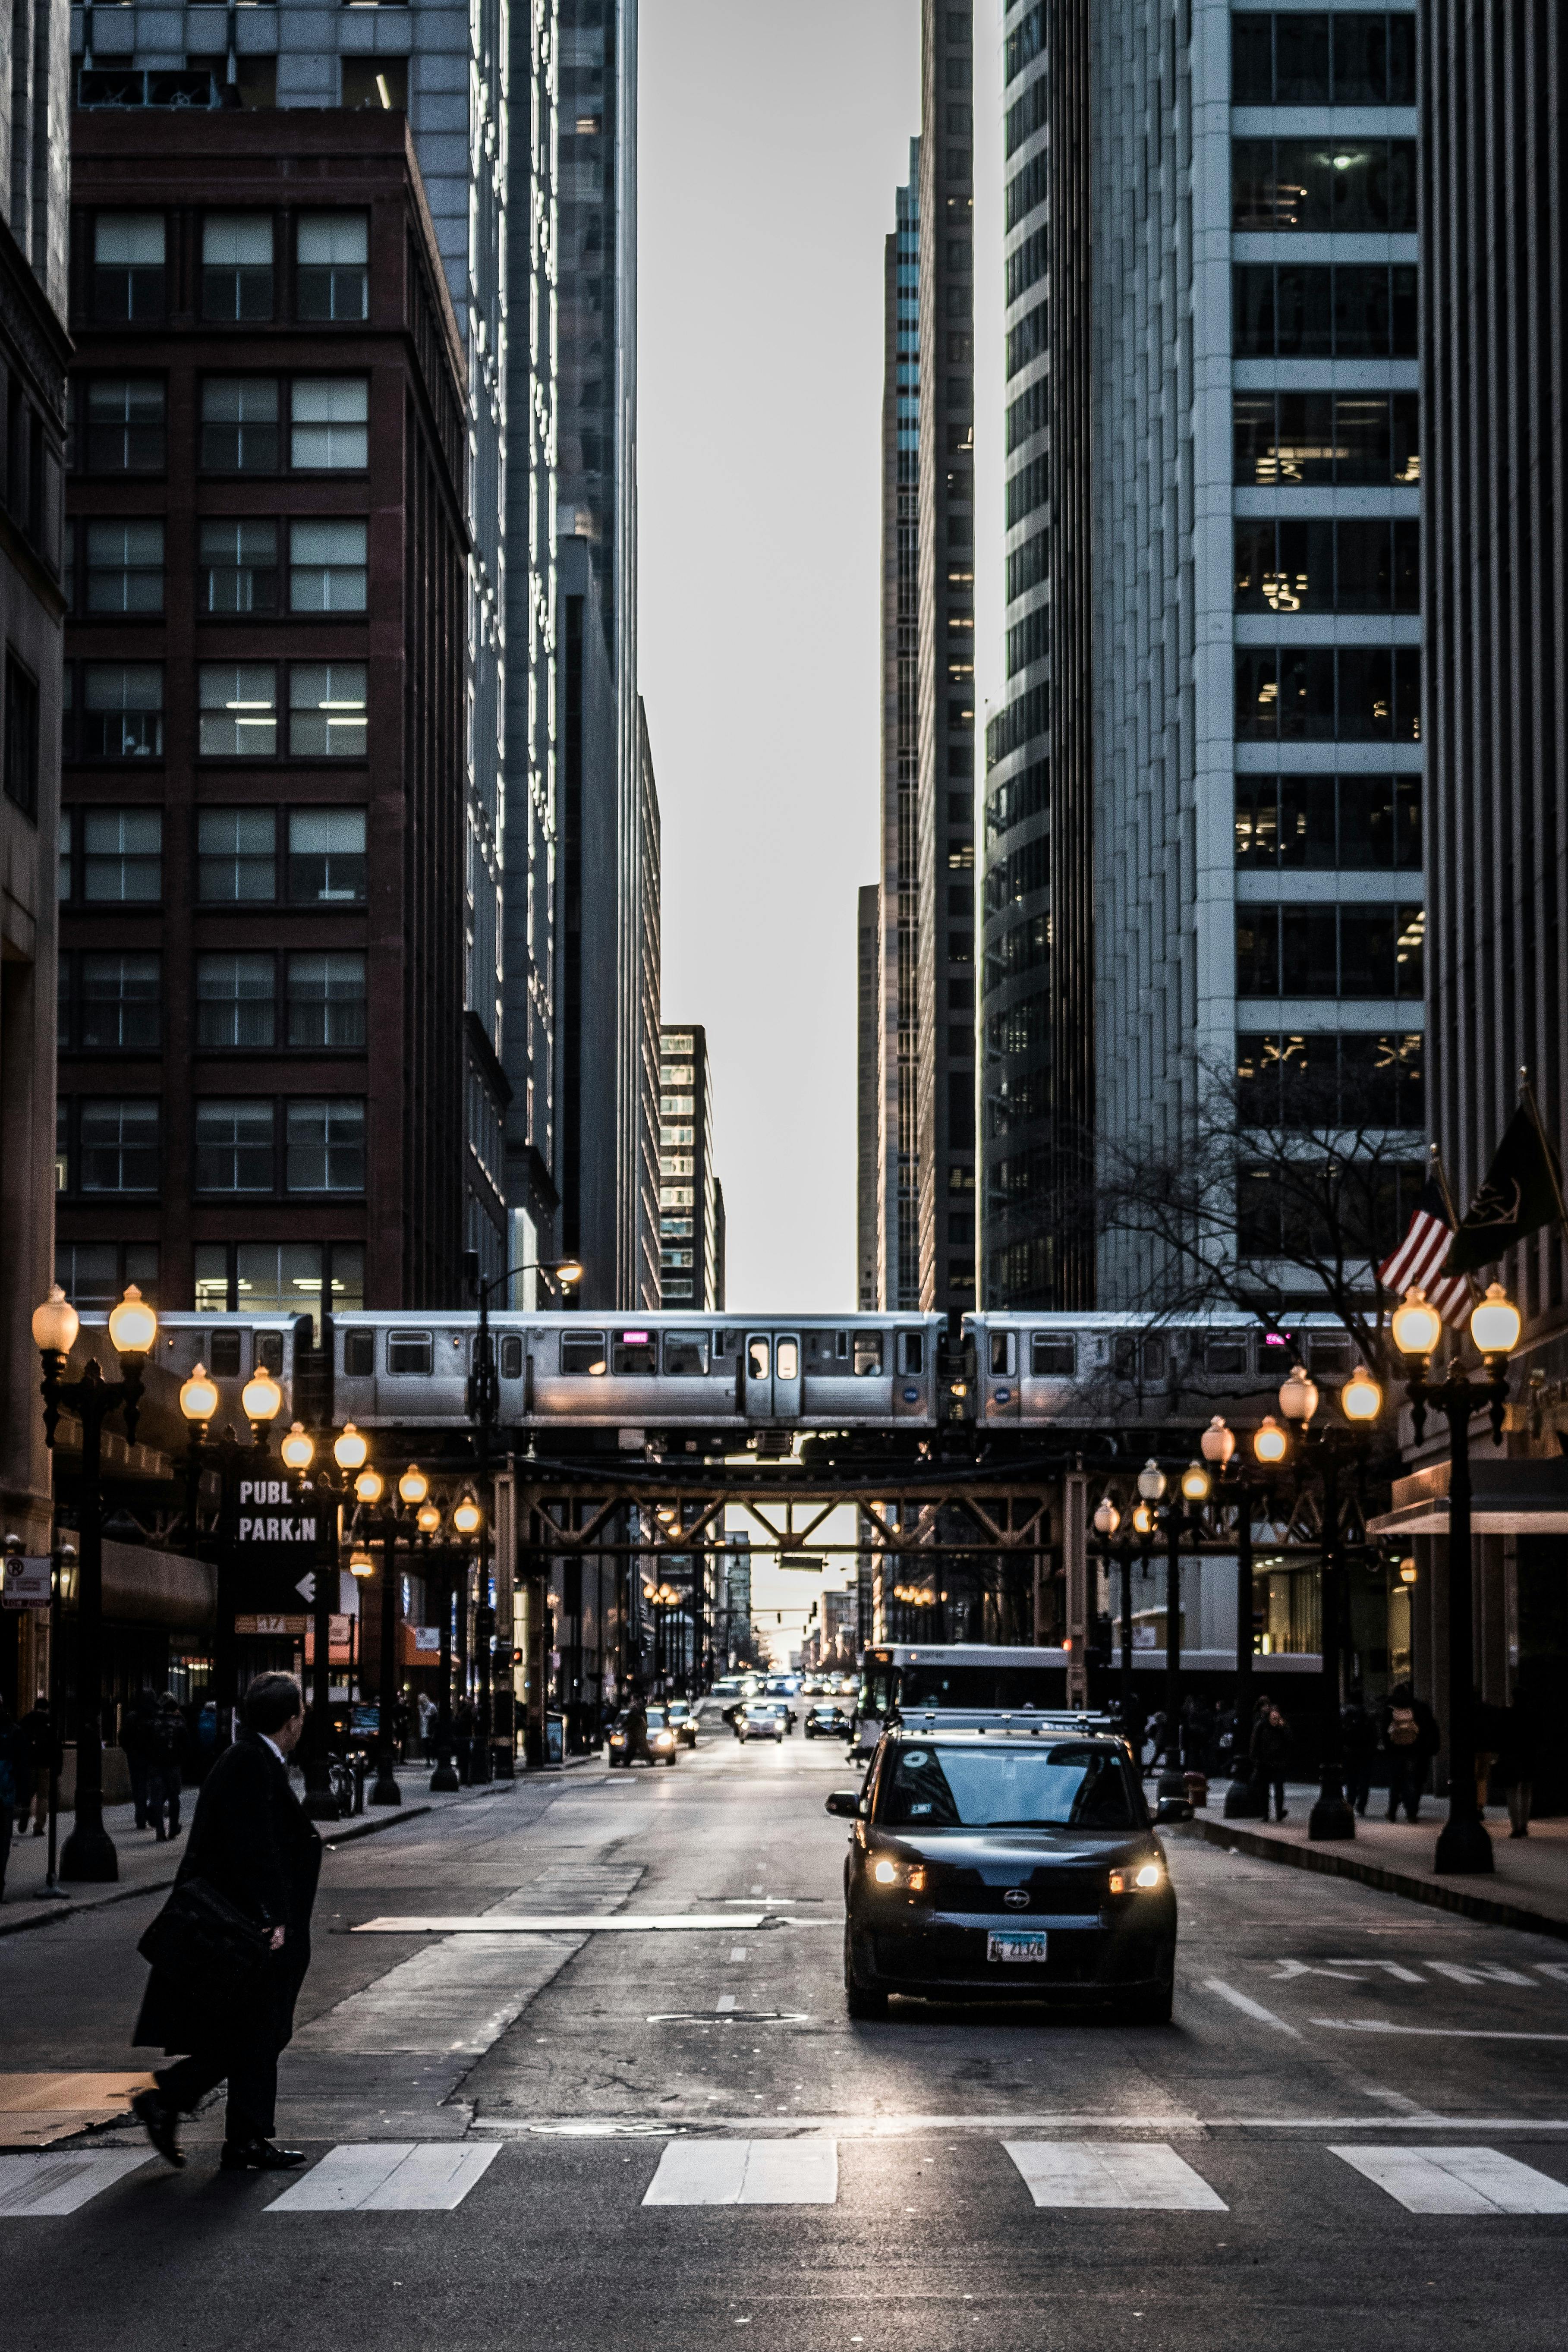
x,y
265,1624
811,1560
275,1547
26,1582
269,1513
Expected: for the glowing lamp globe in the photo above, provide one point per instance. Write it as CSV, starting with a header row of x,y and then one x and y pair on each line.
x,y
1494,1323
351,1450
429,1519
55,1324
414,1486
1298,1394
1142,1519
1217,1443
1418,1326
466,1517
1195,1483
297,1449
1150,1481
133,1326
261,1398
1360,1399
1107,1518
198,1395
1270,1443
360,1563
370,1486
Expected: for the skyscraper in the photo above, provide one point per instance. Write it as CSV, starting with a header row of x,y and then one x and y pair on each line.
x,y
945,1095
692,1206
1037,1023
867,1106
1496,517
889,1180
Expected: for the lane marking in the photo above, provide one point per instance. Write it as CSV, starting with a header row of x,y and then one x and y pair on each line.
x,y
1432,2032
34,2187
1249,2008
1131,2175
894,2127
1480,1972
725,2001
746,2172
552,1923
390,2177
1456,2180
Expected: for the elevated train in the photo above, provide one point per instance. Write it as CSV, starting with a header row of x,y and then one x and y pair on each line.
x,y
709,1384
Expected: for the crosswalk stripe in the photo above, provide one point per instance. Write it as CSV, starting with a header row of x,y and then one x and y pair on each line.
x,y
1457,2179
746,2172
389,2177
1141,2175
34,2186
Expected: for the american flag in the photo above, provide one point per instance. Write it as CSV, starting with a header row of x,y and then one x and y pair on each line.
x,y
1415,1263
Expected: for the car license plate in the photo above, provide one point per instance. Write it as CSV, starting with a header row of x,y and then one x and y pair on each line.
x,y
1005,1947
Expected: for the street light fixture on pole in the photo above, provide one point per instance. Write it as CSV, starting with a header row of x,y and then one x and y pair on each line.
x,y
88,1854
1463,1845
261,1401
1138,1544
1270,1447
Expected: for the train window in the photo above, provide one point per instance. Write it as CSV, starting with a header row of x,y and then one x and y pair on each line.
x,y
1330,1351
223,1357
1225,1356
582,1351
635,1352
757,1360
867,1352
725,1342
408,1352
359,1355
788,1361
841,1343
685,1353
270,1351
512,1357
1052,1355
1139,1359
1001,1353
911,1351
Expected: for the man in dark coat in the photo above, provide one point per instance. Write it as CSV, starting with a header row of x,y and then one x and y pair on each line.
x,y
1272,1747
251,1842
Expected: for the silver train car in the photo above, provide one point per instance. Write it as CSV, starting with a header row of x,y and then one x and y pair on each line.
x,y
592,1371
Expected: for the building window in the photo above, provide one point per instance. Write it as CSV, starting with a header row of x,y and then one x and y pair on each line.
x,y
95,1274
332,251
329,420
235,1001
327,567
1324,1080
327,858
122,857
1357,694
1322,949
1305,310
1360,822
326,1146
122,710
124,425
118,1146
236,267
1362,187
1316,58
238,719
234,1146
236,857
279,1277
327,1002
327,711
1310,438
119,1003
21,750
1317,564
238,567
127,268
240,425
124,567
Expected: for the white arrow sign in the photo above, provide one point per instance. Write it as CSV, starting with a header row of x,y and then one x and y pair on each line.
x,y
307,1585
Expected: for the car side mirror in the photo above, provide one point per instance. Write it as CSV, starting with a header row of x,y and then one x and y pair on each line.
x,y
1172,1808
845,1802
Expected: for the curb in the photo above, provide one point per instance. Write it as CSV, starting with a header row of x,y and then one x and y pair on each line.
x,y
1330,1863
53,1915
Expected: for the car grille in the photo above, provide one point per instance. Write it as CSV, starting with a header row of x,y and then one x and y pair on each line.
x,y
1050,1891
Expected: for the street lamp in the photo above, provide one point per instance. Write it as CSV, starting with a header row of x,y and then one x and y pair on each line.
x,y
88,1854
1463,1845
1138,1541
261,1401
1218,1447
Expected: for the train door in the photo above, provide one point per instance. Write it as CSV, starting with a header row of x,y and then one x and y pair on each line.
x,y
911,1377
773,1375
786,1375
1000,1369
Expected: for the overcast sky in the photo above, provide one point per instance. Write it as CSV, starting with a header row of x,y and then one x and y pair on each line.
x,y
772,141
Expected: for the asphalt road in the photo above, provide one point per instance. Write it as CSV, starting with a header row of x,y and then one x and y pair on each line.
x,y
1243,2178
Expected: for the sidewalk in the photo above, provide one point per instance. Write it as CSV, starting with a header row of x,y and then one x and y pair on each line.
x,y
148,1868
1528,1888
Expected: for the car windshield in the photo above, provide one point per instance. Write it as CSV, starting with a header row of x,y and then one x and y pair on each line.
x,y
1008,1788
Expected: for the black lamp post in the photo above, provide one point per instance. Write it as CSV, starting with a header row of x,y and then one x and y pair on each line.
x,y
350,1451
88,1854
1463,1845
1242,1799
261,1400
1137,1543
1183,1515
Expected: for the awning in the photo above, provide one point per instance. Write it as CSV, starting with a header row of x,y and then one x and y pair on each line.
x,y
1507,1499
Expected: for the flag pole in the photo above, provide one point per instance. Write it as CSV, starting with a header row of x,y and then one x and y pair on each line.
x,y
1441,1173
1527,1096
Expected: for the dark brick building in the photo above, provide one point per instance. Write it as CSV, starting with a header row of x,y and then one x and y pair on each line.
x,y
263,1046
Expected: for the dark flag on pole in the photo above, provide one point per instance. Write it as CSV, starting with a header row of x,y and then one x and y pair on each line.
x,y
1523,1192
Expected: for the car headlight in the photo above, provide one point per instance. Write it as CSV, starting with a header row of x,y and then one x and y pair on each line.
x,y
1139,1881
898,1874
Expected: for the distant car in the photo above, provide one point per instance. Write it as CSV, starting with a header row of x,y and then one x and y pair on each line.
x,y
682,1722
826,1718
993,1863
763,1719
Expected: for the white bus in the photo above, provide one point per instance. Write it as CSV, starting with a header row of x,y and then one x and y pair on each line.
x,y
900,1678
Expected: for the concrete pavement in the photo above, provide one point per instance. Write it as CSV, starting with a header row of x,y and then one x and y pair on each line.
x,y
1356,2126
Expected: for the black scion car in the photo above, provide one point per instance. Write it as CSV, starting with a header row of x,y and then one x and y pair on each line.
x,y
994,1864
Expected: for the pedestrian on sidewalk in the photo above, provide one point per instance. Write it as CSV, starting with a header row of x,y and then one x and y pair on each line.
x,y
14,1771
250,1843
136,1746
465,1724
1271,1746
1358,1744
166,1758
37,1728
1516,1766
1411,1737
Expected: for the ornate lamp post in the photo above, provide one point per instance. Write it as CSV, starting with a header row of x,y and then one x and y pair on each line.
x,y
88,1854
261,1401
1138,1543
466,1518
1271,1444
1463,1845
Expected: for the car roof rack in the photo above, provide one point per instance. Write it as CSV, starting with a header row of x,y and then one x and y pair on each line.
x,y
1039,1721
